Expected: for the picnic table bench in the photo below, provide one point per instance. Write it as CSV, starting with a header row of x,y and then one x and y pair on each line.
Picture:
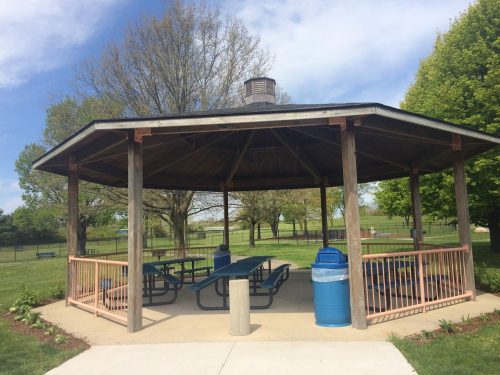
x,y
47,254
243,268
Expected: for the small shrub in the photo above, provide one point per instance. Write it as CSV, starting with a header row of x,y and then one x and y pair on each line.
x,y
39,325
58,292
27,298
484,317
447,326
487,279
31,317
466,320
60,339
50,331
427,334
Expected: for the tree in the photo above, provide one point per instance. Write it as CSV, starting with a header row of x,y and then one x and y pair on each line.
x,y
336,203
459,82
46,192
249,210
393,198
272,208
192,58
302,205
36,225
7,230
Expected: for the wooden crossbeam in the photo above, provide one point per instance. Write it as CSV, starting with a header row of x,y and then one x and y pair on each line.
x,y
405,136
298,155
326,137
237,162
428,158
99,147
187,155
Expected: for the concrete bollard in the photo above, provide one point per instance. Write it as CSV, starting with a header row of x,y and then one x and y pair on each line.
x,y
239,307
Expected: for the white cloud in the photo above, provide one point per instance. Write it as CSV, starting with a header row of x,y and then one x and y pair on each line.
x,y
362,50
35,34
10,195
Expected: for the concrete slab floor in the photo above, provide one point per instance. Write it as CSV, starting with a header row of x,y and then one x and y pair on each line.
x,y
291,318
228,358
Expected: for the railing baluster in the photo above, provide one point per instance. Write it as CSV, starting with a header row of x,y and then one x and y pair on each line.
x,y
421,273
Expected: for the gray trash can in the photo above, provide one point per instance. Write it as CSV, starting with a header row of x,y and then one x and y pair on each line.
x,y
330,276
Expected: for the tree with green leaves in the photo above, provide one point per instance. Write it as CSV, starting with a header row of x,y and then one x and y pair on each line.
x,y
393,198
459,82
7,229
249,210
47,192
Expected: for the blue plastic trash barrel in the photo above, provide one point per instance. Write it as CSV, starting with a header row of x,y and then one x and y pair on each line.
x,y
330,276
222,257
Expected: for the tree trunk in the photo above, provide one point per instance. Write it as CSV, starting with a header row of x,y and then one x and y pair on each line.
x,y
179,233
294,230
274,229
82,237
251,234
494,227
259,236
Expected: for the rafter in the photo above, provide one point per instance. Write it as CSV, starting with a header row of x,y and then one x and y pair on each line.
x,y
325,137
185,156
237,162
298,155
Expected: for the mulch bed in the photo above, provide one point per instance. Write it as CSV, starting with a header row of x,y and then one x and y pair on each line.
x,y
463,327
39,334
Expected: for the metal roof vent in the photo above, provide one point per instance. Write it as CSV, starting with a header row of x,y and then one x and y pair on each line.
x,y
260,90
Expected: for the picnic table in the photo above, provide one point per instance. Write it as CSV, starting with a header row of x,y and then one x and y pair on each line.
x,y
167,264
250,268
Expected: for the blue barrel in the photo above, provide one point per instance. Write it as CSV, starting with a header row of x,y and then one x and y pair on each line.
x,y
222,257
330,276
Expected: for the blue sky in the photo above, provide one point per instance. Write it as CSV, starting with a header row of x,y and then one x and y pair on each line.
x,y
325,51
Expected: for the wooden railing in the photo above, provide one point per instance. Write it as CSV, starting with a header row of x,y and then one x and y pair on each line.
x,y
151,255
385,247
100,286
412,281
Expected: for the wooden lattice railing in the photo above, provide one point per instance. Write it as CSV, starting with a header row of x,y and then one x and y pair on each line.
x,y
398,282
100,286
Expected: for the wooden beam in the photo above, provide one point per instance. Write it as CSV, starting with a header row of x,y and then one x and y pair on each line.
x,y
135,234
185,156
324,213
416,208
100,147
226,217
406,136
237,161
430,157
462,204
72,241
358,312
326,137
141,132
298,155
341,121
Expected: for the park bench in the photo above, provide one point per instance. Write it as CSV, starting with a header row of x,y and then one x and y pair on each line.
x,y
48,254
114,297
273,283
192,272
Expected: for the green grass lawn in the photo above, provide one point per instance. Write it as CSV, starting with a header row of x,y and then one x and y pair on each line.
x,y
461,353
21,355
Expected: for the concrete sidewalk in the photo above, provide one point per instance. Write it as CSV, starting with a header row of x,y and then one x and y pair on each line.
x,y
228,358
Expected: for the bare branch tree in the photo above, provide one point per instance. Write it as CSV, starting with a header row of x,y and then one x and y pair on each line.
x,y
192,58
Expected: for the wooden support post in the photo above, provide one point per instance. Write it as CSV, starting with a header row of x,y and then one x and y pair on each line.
x,y
324,213
72,220
463,214
358,312
226,218
135,233
416,204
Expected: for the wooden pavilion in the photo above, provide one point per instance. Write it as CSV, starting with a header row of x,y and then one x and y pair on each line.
x,y
265,146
